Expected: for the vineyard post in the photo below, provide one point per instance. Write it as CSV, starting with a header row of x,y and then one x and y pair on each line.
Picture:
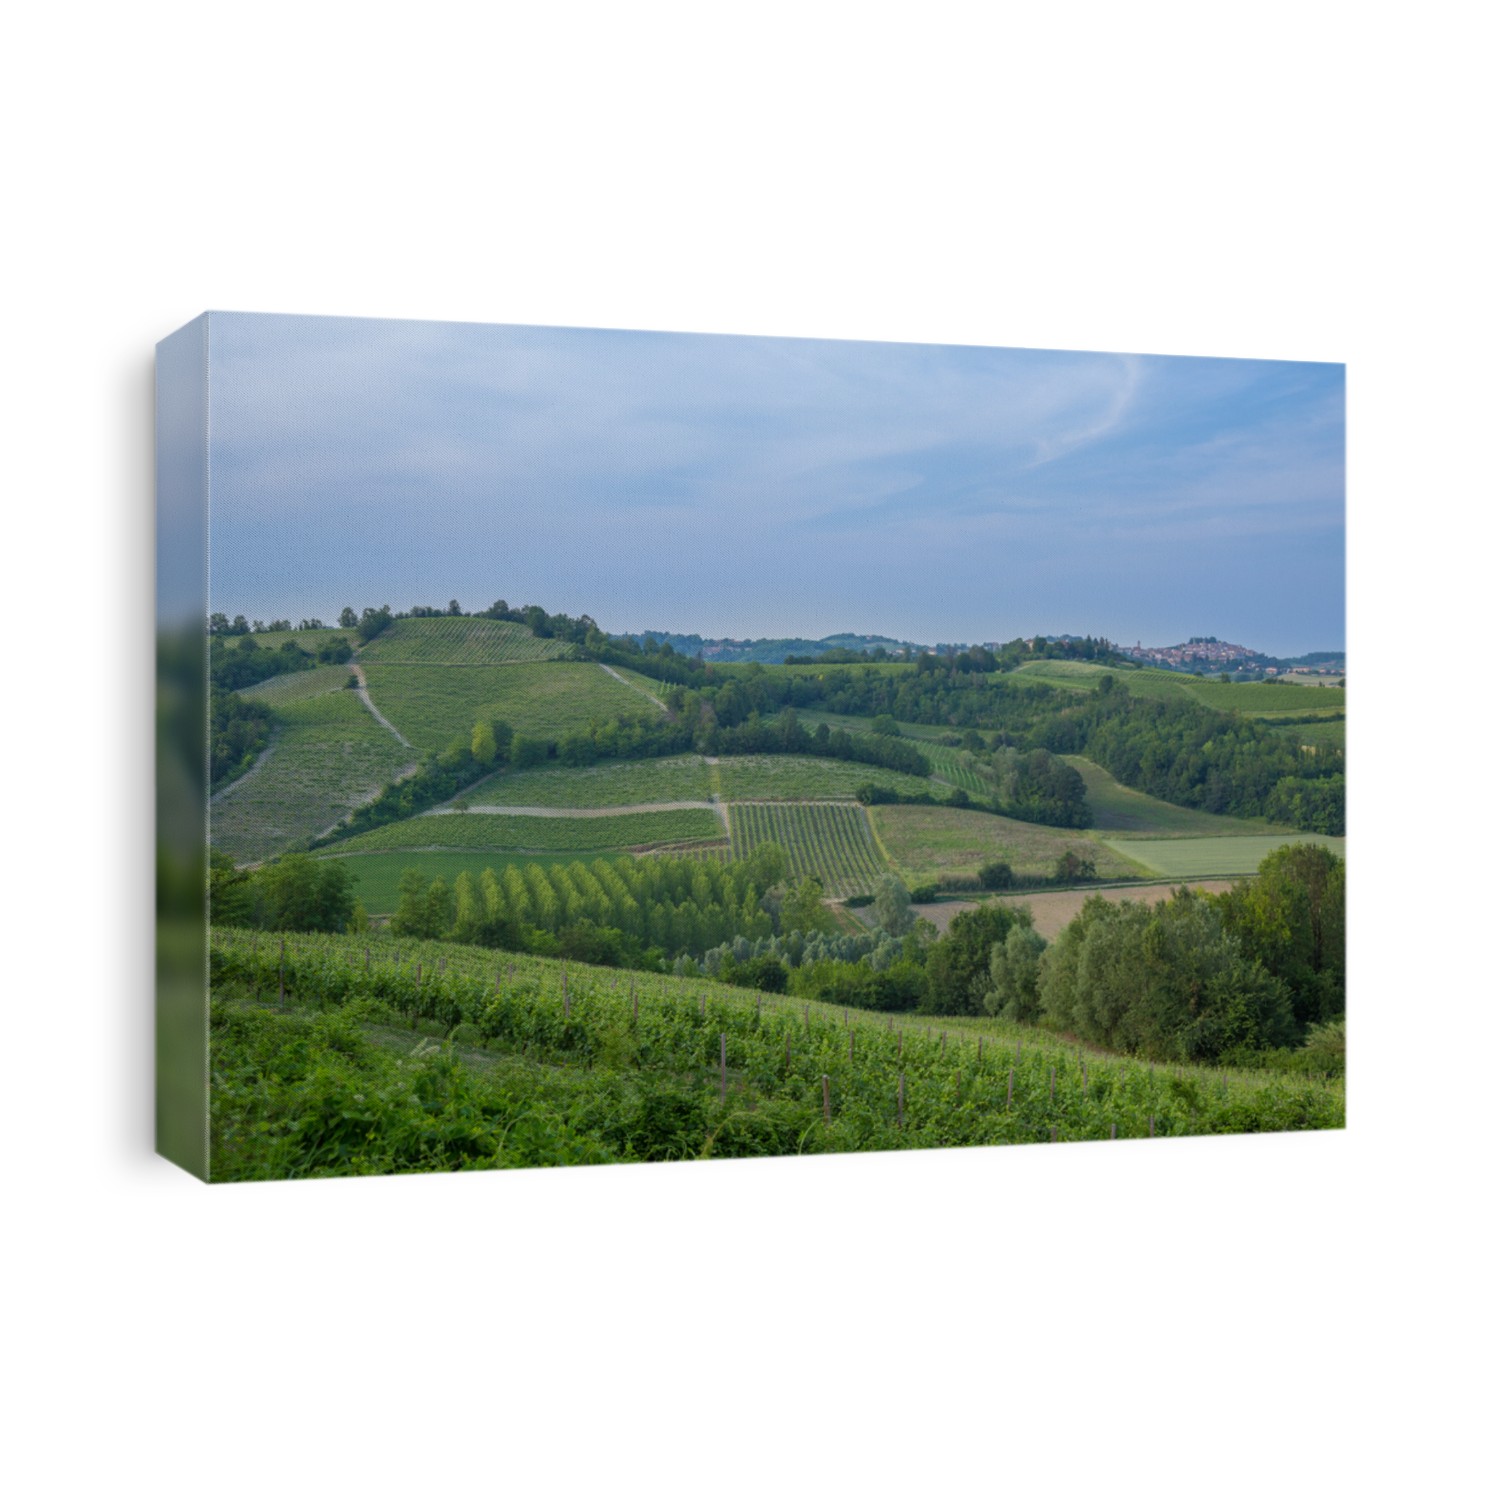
x,y
723,1069
827,1106
635,1004
789,1052
1052,1083
1054,1134
281,976
1111,1130
901,1042
851,1044
367,960
1010,1087
901,1100
943,1044
1150,1124
1084,1063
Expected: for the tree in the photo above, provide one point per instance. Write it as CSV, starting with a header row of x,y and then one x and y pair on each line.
x,y
347,618
1015,968
886,725
958,964
300,894
1072,866
892,906
997,875
482,743
1290,918
802,908
526,750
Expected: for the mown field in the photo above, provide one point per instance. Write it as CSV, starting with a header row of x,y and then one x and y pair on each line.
x,y
677,778
458,641
338,1056
378,876
1051,911
328,756
928,844
430,705
1239,855
790,777
1120,809
547,835
829,840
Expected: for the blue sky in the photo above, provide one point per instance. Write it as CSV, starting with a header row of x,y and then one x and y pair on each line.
x,y
755,486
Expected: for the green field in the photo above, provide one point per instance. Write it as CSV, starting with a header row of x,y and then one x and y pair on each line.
x,y
308,640
1327,735
1119,809
431,705
1253,699
546,835
1187,858
328,757
457,641
794,777
378,876
563,1063
830,840
928,844
614,783
293,687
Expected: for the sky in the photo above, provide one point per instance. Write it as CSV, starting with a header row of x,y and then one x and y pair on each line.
x,y
736,486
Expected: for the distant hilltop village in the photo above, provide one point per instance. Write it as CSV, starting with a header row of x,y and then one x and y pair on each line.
x,y
1207,653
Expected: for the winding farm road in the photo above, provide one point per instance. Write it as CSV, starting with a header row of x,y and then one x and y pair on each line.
x,y
574,812
635,687
364,695
254,766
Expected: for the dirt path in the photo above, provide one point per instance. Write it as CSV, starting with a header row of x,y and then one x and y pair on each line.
x,y
575,812
255,765
635,687
364,696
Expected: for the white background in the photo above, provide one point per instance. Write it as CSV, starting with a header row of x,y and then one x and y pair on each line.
x,y
1292,1316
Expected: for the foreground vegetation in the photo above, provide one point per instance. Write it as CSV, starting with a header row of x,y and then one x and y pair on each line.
x,y
389,1056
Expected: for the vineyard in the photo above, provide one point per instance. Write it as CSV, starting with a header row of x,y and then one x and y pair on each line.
x,y
431,705
829,840
798,777
1192,858
1123,810
676,778
458,641
518,831
546,1063
328,757
293,687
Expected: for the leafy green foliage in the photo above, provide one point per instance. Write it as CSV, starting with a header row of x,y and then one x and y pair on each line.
x,y
629,1072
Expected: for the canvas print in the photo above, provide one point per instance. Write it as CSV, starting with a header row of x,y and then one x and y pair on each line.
x,y
640,747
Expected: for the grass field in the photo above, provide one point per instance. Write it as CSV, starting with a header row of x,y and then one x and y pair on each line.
x,y
830,840
614,783
1119,809
928,843
1253,699
1326,734
456,641
328,757
506,831
293,687
801,776
378,876
1185,858
308,640
430,705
